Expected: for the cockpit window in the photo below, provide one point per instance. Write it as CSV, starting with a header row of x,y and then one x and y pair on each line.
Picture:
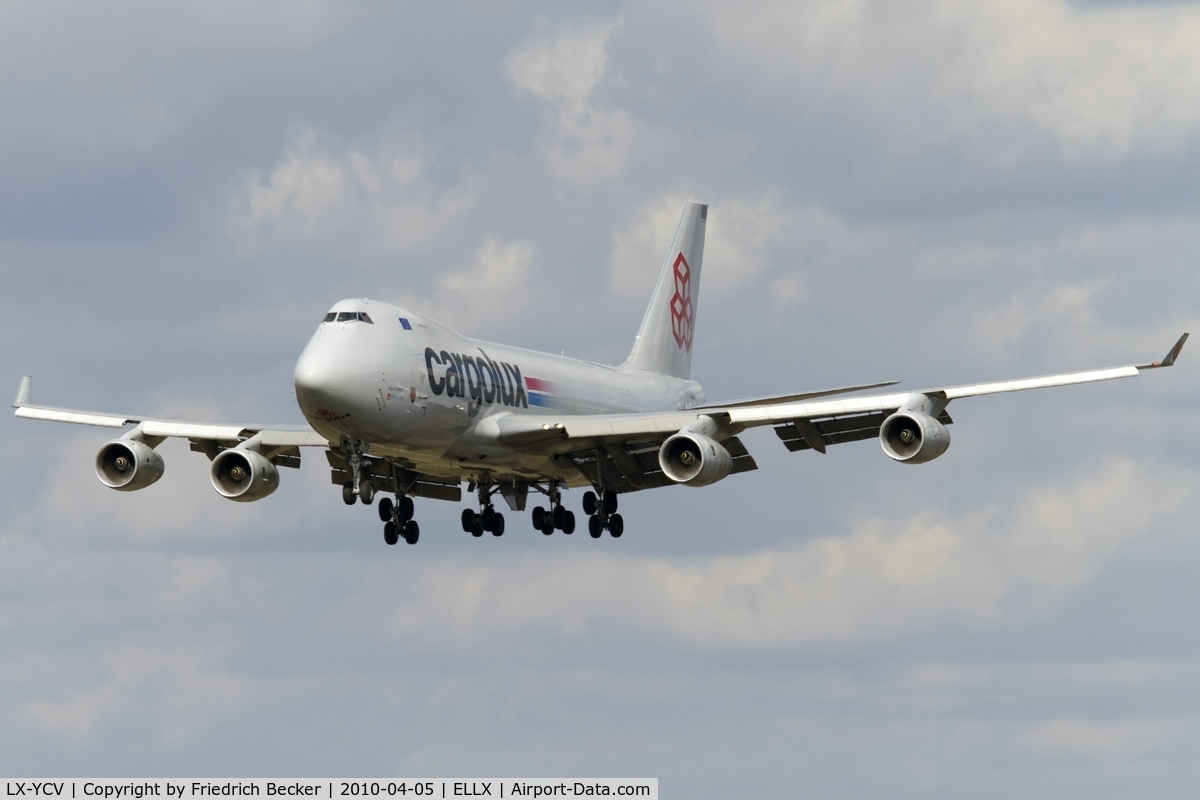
x,y
348,316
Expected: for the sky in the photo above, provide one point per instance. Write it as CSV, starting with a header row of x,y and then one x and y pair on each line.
x,y
935,192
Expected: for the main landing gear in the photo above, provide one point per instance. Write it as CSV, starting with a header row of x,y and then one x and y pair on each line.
x,y
602,514
398,520
487,518
557,518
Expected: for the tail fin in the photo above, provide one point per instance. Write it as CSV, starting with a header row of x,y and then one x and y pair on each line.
x,y
664,343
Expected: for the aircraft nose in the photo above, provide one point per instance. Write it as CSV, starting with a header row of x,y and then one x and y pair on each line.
x,y
321,381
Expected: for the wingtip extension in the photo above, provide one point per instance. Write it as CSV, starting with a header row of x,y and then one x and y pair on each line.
x,y
24,392
1169,359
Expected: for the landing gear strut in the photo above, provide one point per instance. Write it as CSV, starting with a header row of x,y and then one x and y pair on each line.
x,y
487,518
557,517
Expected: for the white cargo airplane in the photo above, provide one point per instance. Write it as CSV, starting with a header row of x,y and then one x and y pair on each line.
x,y
404,405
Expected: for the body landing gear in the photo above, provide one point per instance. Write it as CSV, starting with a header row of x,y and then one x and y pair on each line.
x,y
398,520
487,518
602,513
557,518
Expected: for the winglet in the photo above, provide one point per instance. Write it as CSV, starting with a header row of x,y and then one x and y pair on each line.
x,y
24,393
1169,360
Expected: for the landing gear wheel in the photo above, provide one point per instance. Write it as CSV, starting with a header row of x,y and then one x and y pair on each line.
x,y
610,502
568,526
348,496
390,534
546,529
366,492
595,526
616,526
589,503
560,517
405,506
539,519
468,520
385,509
412,531
488,518
498,525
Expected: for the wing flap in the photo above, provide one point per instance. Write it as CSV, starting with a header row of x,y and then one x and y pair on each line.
x,y
839,430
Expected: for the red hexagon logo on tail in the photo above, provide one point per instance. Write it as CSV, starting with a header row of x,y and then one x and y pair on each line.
x,y
682,312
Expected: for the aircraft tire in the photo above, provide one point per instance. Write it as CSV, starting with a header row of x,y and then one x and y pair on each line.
x,y
405,504
390,534
589,503
348,496
569,523
412,531
616,526
610,502
366,492
385,509
595,526
498,525
468,520
488,518
559,517
539,518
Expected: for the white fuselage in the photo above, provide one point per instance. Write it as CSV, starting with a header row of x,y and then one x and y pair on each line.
x,y
413,389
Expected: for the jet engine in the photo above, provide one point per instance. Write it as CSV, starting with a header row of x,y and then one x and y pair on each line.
x,y
243,475
912,437
694,459
128,465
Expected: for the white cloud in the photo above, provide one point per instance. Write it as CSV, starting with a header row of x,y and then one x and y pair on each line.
x,y
493,290
359,203
1098,739
178,692
998,79
583,140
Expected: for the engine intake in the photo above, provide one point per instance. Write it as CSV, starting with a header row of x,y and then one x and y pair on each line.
x,y
694,459
243,475
128,465
911,437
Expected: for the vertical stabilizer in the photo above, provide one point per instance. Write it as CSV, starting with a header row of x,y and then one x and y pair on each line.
x,y
664,343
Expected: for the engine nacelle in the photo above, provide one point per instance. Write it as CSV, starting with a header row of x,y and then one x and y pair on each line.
x,y
694,459
911,437
243,475
128,465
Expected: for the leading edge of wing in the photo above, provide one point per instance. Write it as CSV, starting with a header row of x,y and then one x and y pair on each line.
x,y
272,435
790,398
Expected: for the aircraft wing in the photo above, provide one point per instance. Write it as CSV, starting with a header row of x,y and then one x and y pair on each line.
x,y
624,446
282,441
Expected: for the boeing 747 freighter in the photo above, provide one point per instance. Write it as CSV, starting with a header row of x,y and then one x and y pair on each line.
x,y
404,406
